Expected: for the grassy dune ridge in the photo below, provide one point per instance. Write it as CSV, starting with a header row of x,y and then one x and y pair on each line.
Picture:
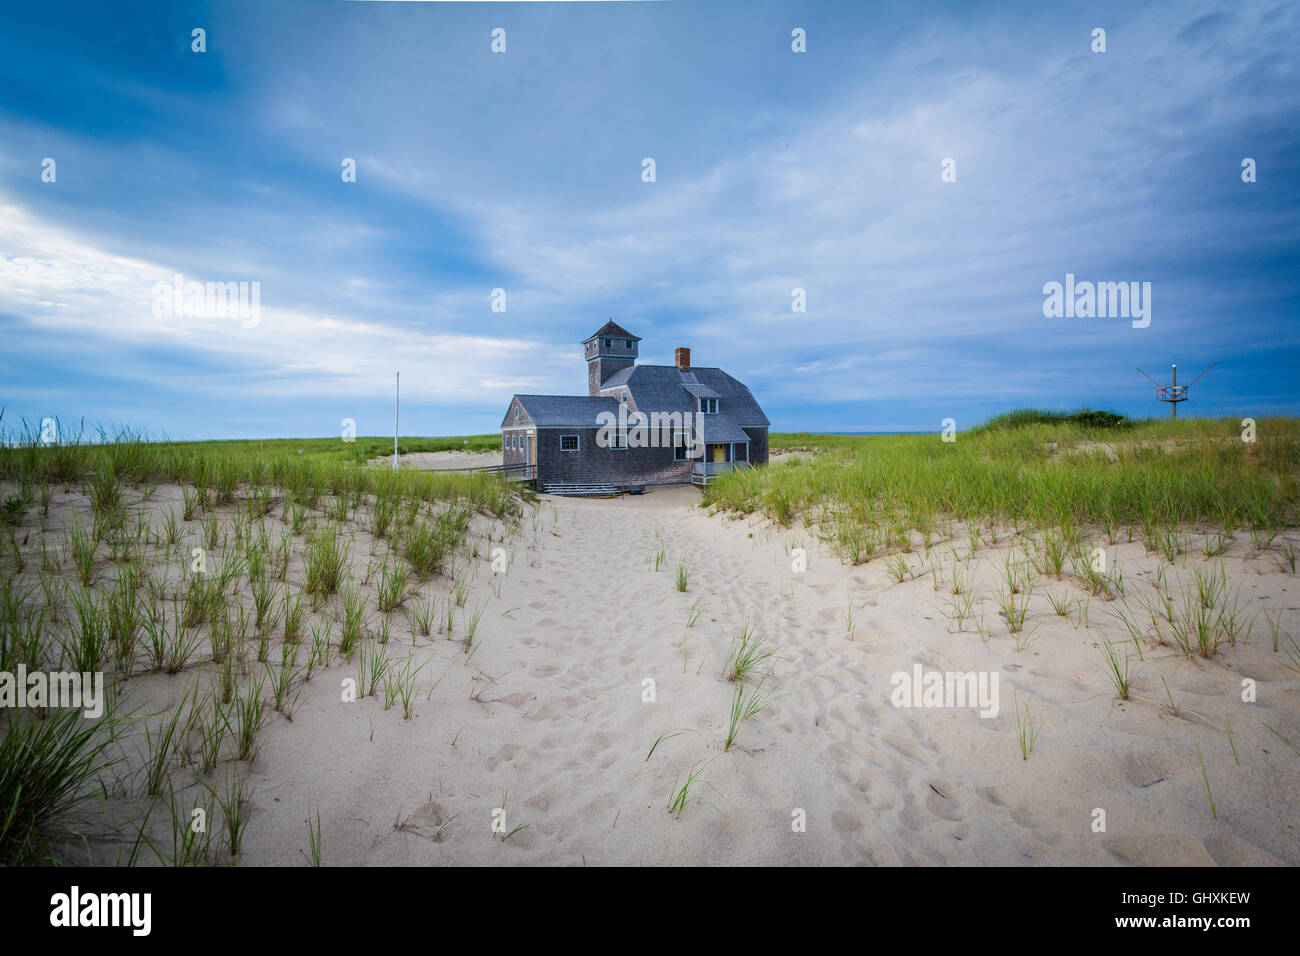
x,y
223,467
97,574
870,494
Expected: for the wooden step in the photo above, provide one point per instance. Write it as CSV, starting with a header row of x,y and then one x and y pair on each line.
x,y
579,488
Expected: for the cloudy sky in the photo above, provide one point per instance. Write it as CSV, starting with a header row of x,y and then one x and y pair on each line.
x,y
774,171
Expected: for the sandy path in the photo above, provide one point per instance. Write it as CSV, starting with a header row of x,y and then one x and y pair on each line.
x,y
560,722
550,708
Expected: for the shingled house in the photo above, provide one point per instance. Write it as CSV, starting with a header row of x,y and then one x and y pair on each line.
x,y
637,425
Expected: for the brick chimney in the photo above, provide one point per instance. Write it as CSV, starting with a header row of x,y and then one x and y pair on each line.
x,y
682,358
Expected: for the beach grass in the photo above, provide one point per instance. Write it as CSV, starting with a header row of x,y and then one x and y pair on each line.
x,y
870,495
220,472
49,766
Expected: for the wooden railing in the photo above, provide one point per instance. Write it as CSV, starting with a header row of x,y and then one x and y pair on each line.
x,y
717,467
513,472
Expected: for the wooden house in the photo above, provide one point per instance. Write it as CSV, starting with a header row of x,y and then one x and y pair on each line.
x,y
637,425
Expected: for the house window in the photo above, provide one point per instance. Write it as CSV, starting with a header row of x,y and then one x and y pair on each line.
x,y
516,413
608,343
627,343
709,406
505,441
618,440
681,447
624,399
568,443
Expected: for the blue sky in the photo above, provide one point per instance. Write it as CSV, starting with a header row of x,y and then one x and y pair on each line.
x,y
775,170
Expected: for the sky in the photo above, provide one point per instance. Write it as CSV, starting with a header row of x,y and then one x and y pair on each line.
x,y
774,170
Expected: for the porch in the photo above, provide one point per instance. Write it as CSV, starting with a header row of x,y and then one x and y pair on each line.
x,y
720,458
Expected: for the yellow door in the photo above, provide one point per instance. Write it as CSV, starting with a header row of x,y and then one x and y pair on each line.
x,y
719,452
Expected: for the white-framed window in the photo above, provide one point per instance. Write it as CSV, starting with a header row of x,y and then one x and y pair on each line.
x,y
516,413
709,406
681,446
625,397
568,443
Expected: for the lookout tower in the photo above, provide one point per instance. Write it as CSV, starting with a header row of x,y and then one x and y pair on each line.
x,y
607,350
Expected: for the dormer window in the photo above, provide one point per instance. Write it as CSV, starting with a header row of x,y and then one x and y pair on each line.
x,y
709,406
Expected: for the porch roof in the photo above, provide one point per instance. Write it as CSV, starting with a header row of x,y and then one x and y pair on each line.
x,y
720,428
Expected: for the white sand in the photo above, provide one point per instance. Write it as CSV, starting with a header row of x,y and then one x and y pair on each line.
x,y
440,460
550,709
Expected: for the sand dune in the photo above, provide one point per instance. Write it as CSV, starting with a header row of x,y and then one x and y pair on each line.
x,y
549,712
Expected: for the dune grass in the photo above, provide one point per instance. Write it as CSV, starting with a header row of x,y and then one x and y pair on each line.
x,y
221,472
49,766
871,495
108,585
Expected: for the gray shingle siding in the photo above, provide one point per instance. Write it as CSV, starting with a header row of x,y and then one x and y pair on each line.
x,y
592,464
523,421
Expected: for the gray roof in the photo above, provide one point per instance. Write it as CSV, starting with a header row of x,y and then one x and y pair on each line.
x,y
700,391
665,388
720,428
613,330
566,411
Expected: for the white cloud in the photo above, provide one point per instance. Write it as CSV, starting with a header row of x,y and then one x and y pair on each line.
x,y
63,284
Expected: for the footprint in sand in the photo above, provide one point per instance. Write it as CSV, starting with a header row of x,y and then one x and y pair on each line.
x,y
845,821
943,800
505,755
427,821
1159,849
1144,770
